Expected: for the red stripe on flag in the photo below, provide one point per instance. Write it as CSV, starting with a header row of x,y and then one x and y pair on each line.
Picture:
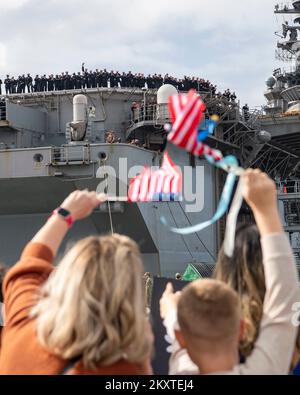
x,y
184,116
185,127
168,179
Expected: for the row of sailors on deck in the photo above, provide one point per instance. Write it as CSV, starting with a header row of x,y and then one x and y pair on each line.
x,y
100,79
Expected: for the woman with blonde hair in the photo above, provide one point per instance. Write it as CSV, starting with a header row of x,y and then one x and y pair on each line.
x,y
87,316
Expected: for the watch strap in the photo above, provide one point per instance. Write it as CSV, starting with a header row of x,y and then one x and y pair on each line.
x,y
65,214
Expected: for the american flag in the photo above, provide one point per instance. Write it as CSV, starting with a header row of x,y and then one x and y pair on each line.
x,y
163,185
186,113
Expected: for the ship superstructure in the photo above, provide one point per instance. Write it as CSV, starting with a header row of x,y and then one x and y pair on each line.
x,y
281,118
54,143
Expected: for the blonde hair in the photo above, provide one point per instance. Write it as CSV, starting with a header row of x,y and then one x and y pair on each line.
x,y
209,314
92,307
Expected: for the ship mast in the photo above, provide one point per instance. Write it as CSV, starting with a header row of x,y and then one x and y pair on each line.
x,y
283,88
288,49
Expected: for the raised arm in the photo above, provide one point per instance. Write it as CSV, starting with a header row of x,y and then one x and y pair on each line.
x,y
260,193
79,205
24,280
274,348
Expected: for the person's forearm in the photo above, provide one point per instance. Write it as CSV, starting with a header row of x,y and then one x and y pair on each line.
x,y
80,204
52,233
268,222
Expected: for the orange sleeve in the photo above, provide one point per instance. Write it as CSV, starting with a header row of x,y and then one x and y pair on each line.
x,y
23,281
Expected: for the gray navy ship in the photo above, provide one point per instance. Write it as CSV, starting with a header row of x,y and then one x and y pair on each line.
x,y
281,118
52,143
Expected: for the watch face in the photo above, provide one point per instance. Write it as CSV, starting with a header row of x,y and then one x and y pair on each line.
x,y
63,212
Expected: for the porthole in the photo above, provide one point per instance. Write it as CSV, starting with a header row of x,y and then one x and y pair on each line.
x,y
102,156
38,158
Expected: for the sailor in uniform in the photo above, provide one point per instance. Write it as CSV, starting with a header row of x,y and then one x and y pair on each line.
x,y
13,85
246,112
21,84
7,83
67,81
28,82
79,81
105,78
51,83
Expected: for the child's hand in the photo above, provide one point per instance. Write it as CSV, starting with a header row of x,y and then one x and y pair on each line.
x,y
169,301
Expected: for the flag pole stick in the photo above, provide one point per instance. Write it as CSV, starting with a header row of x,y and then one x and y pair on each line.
x,y
116,199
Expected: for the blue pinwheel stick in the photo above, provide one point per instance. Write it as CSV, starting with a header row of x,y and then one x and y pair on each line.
x,y
207,127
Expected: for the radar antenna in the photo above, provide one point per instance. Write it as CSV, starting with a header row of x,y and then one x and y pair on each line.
x,y
288,49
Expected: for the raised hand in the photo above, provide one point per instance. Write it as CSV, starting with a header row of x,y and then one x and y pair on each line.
x,y
259,191
168,301
82,203
260,194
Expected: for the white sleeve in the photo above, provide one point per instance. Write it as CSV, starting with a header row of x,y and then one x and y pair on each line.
x,y
275,345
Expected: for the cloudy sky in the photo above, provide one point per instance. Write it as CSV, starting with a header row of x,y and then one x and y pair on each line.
x,y
228,41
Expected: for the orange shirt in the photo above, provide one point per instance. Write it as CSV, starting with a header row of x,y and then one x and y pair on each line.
x,y
21,353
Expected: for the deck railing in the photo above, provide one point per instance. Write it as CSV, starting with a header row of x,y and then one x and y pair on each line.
x,y
70,154
288,187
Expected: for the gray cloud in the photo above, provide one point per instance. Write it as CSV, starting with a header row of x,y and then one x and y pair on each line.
x,y
229,42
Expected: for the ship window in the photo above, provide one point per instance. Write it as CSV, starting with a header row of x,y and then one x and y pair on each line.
x,y
102,156
38,158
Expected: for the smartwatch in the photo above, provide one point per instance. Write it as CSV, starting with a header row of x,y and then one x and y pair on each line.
x,y
65,214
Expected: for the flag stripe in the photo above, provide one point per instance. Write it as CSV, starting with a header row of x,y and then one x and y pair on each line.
x,y
188,111
164,184
189,130
145,179
186,115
